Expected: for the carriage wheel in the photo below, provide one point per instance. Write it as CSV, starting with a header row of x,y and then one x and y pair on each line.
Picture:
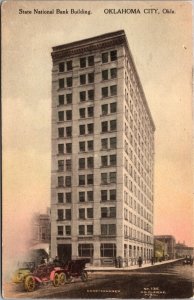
x,y
29,283
84,276
62,278
56,280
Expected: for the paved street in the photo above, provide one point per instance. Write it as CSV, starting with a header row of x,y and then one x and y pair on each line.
x,y
161,281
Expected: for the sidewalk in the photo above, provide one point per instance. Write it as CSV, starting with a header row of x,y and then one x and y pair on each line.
x,y
130,268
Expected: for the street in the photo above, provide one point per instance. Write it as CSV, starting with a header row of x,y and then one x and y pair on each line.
x,y
164,281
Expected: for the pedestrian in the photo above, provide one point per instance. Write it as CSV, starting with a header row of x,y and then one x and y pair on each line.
x,y
152,260
139,261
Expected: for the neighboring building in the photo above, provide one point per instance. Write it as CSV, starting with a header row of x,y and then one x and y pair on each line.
x,y
102,153
170,243
41,228
182,250
160,250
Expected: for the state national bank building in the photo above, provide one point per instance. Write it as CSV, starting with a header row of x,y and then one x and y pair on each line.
x,y
102,182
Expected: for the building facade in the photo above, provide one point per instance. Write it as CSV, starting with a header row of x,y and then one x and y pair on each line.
x,y
41,227
170,243
102,191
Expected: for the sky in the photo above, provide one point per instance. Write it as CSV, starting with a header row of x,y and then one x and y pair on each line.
x,y
161,46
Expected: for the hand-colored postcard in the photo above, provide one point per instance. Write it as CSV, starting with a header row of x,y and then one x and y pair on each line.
x,y
97,150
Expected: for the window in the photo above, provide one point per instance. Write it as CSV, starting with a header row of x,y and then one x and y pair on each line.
x,y
60,148
61,83
61,181
81,129
68,230
83,62
104,161
60,214
104,195
82,146
81,230
90,95
68,131
90,179
104,92
90,111
104,126
61,67
82,113
81,213
60,230
81,163
68,181
108,250
68,115
60,165
89,229
82,96
112,195
68,148
81,196
104,108
90,128
68,164
90,61
113,55
89,213
68,197
104,178
108,229
104,144
90,162
113,125
61,116
61,132
113,107
113,90
85,250
69,98
108,212
81,179
91,77
83,79
90,196
105,57
113,143
105,75
69,65
113,73
112,177
90,145
61,99
68,214
60,198
113,160
69,81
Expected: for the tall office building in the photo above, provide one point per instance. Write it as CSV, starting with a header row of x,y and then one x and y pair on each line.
x,y
102,153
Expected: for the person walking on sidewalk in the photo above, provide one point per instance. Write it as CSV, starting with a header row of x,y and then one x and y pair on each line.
x,y
152,260
139,261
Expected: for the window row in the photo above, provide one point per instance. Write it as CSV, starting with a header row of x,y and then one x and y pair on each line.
x,y
63,214
67,167
106,229
86,179
86,129
87,196
85,213
65,99
67,115
109,143
65,132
